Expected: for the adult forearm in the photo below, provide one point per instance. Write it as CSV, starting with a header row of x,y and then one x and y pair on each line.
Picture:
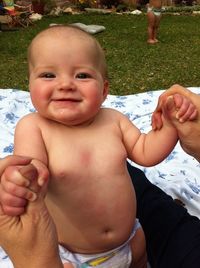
x,y
49,263
192,150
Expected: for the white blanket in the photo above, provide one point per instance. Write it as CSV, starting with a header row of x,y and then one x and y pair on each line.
x,y
177,175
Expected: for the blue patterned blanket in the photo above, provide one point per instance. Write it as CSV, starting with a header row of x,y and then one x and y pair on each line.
x,y
177,175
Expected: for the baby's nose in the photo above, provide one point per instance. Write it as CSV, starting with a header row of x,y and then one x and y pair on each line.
x,y
67,83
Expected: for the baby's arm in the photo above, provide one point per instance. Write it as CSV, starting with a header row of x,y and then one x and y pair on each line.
x,y
152,148
14,191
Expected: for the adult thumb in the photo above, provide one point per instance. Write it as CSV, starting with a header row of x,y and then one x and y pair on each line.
x,y
170,104
169,109
30,172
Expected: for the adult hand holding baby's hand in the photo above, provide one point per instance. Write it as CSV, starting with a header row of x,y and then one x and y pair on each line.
x,y
15,190
30,240
173,107
189,131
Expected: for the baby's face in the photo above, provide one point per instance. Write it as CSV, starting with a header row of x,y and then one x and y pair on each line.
x,y
66,81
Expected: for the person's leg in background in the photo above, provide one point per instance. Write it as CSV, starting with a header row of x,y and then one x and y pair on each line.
x,y
156,27
172,235
150,27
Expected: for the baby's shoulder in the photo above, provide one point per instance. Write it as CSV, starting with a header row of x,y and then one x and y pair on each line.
x,y
31,119
110,111
113,114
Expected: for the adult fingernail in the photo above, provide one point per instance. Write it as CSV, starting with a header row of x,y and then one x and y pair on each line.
x,y
32,197
170,103
41,181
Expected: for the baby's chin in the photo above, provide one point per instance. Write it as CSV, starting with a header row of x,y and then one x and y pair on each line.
x,y
71,121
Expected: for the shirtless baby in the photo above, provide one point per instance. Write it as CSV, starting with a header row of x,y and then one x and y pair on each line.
x,y
85,147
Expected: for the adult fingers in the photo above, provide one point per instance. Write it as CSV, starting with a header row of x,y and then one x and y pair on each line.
x,y
13,161
13,211
178,89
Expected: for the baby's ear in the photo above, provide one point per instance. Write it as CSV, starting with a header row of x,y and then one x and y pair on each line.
x,y
105,89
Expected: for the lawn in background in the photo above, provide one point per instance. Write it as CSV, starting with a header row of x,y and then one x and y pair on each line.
x,y
134,66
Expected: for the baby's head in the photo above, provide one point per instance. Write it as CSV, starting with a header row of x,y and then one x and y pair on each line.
x,y
67,36
67,75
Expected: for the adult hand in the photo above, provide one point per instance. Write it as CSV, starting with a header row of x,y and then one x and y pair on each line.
x,y
189,131
14,187
30,240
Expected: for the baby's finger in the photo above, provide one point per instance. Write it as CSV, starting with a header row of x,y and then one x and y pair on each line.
x,y
188,115
153,123
184,106
194,115
156,121
186,109
43,172
29,172
161,99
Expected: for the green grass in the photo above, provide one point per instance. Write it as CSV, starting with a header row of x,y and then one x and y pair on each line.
x,y
134,66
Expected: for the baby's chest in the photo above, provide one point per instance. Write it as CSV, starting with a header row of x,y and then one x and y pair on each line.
x,y
81,155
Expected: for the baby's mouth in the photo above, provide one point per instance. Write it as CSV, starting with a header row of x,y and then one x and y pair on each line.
x,y
67,100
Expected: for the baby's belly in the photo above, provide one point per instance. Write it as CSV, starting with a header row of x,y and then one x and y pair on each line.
x,y
99,222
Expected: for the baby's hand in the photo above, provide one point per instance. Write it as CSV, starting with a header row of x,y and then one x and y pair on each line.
x,y
14,191
16,187
177,106
186,110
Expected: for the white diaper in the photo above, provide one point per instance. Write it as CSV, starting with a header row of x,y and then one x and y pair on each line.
x,y
115,258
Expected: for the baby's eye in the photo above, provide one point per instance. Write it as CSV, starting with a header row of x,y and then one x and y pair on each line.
x,y
47,75
83,76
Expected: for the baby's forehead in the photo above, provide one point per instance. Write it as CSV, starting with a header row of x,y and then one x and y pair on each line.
x,y
64,34
65,38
